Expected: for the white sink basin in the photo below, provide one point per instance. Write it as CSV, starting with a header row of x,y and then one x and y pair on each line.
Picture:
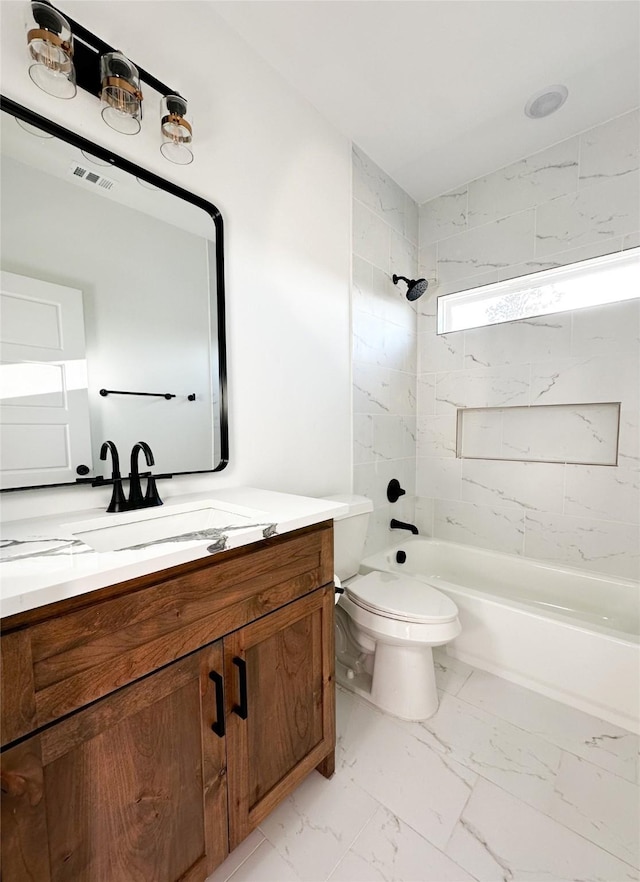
x,y
124,530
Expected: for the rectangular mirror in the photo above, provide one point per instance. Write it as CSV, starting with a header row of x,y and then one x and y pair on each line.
x,y
112,312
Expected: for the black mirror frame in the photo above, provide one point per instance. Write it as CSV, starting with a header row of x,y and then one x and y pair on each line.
x,y
34,119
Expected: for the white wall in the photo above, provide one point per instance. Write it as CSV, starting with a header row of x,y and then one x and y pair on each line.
x,y
385,235
280,175
576,200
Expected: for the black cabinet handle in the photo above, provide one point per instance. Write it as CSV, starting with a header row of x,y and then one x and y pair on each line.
x,y
241,709
218,726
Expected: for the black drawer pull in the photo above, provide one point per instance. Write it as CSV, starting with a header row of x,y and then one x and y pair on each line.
x,y
241,709
218,726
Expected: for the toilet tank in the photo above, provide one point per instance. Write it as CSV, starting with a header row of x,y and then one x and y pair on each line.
x,y
350,533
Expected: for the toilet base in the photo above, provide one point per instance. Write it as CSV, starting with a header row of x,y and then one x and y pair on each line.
x,y
403,682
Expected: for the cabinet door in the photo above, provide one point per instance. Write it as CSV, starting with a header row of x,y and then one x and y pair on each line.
x,y
280,702
132,789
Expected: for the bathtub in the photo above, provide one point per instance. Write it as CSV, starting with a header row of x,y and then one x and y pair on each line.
x,y
568,634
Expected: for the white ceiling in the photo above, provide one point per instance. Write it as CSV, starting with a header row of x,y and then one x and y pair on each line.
x,y
434,90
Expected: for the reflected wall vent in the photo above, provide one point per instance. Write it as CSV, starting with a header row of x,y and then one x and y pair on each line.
x,y
91,177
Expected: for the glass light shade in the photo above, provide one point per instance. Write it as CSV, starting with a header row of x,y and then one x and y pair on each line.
x,y
50,43
121,96
176,130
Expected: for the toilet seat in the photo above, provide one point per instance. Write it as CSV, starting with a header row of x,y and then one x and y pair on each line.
x,y
401,598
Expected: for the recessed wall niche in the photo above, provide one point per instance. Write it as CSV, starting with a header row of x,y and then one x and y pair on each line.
x,y
584,434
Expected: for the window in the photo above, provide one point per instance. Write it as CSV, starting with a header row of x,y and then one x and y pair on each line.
x,y
592,282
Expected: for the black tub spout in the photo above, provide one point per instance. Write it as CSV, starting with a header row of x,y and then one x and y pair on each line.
x,y
400,525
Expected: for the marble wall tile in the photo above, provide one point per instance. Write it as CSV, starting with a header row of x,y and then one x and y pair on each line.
x,y
444,352
363,438
518,342
443,216
389,849
610,494
411,219
573,433
428,266
426,394
611,330
402,390
436,435
391,304
611,150
378,191
631,240
438,477
371,237
369,339
424,515
629,441
498,835
493,527
483,387
562,258
595,545
602,743
585,380
394,436
603,211
528,485
403,259
491,247
530,182
371,389
480,433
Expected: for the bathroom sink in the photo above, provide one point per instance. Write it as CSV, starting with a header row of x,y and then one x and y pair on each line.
x,y
128,529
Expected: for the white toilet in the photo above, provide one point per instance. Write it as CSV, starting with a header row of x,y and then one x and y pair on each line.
x,y
386,625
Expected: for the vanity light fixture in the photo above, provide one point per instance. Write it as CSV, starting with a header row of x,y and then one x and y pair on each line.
x,y
120,96
50,43
102,71
176,130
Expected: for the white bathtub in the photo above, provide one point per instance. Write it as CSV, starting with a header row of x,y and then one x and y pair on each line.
x,y
568,634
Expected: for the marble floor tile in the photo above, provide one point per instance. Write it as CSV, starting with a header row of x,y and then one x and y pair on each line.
x,y
422,787
389,850
602,743
523,764
500,838
237,857
266,865
313,829
451,674
600,806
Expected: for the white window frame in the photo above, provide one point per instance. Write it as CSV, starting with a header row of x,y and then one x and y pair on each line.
x,y
594,282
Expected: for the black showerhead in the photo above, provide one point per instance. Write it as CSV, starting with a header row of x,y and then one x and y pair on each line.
x,y
415,287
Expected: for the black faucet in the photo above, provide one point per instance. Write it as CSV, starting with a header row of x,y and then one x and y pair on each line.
x,y
118,499
151,497
400,525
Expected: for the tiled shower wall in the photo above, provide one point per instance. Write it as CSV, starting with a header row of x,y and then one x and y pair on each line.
x,y
385,241
576,200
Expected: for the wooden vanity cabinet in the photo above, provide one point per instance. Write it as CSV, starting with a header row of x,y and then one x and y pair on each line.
x,y
157,780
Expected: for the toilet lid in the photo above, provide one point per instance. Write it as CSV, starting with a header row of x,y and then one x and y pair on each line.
x,y
400,597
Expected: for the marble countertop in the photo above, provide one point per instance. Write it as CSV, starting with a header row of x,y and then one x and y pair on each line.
x,y
43,560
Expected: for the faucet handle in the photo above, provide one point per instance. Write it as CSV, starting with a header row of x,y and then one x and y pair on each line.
x,y
152,497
